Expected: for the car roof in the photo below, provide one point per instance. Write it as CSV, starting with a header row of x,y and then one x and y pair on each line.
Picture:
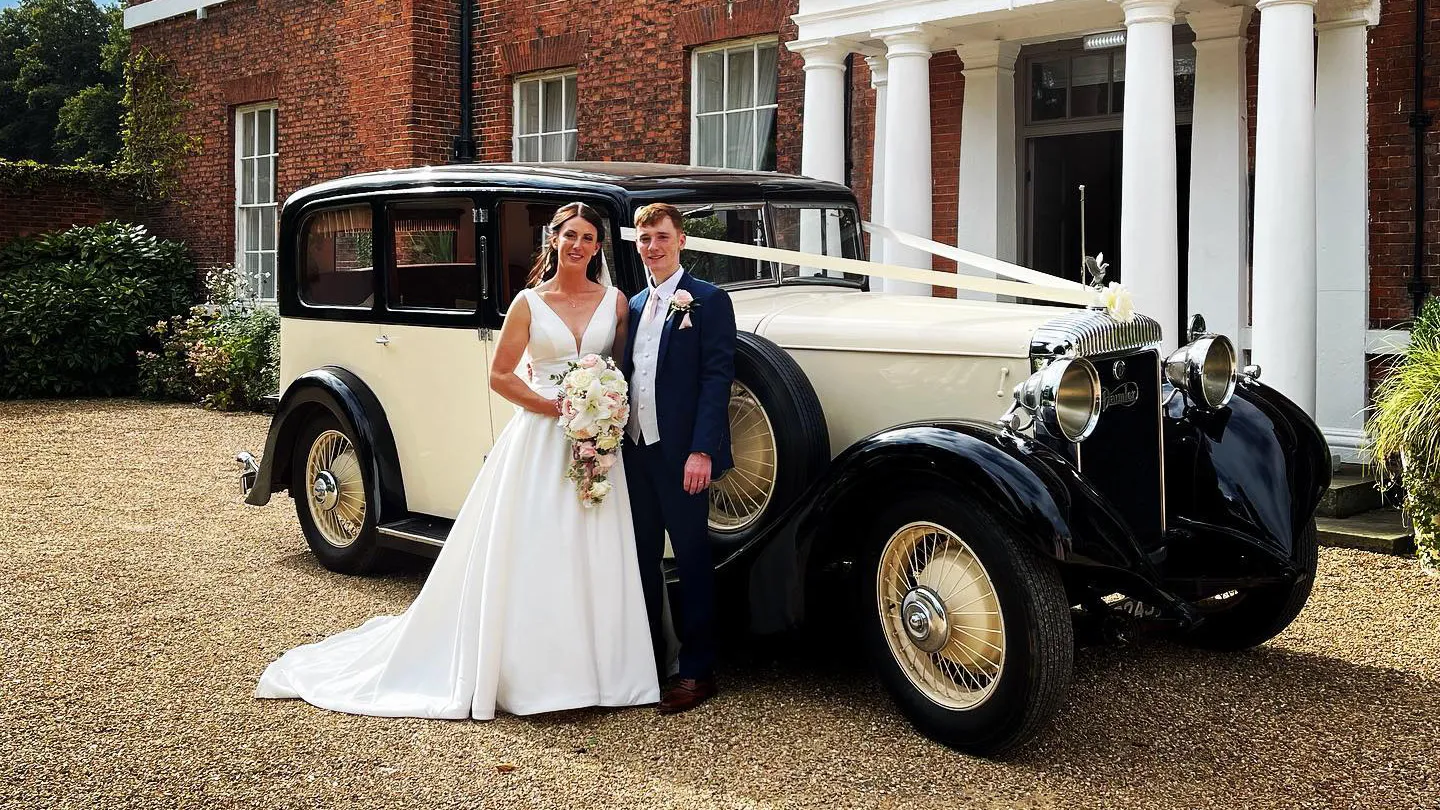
x,y
645,179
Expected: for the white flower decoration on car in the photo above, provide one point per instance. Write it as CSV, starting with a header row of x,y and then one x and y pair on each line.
x,y
1117,301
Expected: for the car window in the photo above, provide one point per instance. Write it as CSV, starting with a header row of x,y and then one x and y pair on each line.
x,y
729,223
433,256
820,230
338,268
521,230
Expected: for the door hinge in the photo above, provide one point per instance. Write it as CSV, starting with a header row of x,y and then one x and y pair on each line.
x,y
481,215
486,333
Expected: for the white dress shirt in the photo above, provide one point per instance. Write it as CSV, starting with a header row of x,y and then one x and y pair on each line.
x,y
644,427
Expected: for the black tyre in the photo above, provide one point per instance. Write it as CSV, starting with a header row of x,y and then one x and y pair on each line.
x,y
334,498
777,436
967,624
1238,620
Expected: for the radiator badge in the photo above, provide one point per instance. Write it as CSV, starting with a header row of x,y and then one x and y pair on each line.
x,y
1124,395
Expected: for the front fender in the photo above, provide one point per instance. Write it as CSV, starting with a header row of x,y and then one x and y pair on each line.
x,y
345,396
1256,468
1034,491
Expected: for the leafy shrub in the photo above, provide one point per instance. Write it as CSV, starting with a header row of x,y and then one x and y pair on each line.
x,y
1406,424
74,306
224,354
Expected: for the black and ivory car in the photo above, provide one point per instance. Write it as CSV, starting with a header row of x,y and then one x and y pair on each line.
x,y
980,478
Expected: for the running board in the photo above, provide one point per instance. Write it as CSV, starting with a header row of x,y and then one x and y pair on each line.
x,y
418,534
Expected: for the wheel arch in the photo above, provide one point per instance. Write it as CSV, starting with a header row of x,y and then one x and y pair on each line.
x,y
342,394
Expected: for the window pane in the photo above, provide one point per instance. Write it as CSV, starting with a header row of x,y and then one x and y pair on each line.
x,y
738,224
552,147
568,152
1184,76
1048,82
710,140
337,268
267,228
570,102
265,133
530,149
740,85
245,131
709,81
552,99
529,116
267,276
252,274
765,137
767,75
1090,75
265,180
252,228
247,181
1117,90
740,140
521,232
434,264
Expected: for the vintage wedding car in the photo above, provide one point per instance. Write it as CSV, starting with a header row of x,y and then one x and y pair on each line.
x,y
968,481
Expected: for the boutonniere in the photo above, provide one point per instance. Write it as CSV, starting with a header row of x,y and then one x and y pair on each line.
x,y
681,302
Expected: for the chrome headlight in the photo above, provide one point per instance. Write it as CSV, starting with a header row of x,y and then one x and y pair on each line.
x,y
1204,370
1064,397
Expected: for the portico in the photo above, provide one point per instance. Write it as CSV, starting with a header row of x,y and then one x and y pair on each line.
x,y
1285,277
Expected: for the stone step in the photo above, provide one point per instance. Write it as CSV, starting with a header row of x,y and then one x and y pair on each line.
x,y
1381,530
1351,492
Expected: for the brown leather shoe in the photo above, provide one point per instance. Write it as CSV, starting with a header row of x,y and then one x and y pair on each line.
x,y
687,693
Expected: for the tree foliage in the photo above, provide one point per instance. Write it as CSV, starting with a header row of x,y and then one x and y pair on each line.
x,y
61,80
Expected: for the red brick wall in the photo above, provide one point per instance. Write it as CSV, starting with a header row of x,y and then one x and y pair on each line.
x,y
947,94
56,207
1392,155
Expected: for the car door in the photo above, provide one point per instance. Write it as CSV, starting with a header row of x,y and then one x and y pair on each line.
x,y
434,341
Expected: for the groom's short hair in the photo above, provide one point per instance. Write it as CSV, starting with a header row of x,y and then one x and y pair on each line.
x,y
654,212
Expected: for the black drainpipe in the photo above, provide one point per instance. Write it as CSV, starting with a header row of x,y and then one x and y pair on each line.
x,y
1420,120
849,113
464,148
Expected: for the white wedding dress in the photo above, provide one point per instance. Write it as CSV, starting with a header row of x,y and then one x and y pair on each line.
x,y
534,604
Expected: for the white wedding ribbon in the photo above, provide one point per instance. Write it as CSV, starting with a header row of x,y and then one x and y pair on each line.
x,y
1050,291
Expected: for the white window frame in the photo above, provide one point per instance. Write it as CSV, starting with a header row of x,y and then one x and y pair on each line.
x,y
754,44
241,248
539,135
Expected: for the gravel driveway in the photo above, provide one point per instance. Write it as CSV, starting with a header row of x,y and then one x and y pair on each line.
x,y
141,600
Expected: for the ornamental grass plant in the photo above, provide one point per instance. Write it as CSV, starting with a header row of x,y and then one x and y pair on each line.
x,y
1405,426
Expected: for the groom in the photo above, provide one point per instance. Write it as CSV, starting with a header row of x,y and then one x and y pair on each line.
x,y
680,360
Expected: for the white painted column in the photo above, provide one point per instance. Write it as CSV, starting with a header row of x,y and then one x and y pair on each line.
x,y
1341,215
1149,241
986,198
1283,336
879,79
822,138
907,147
1219,171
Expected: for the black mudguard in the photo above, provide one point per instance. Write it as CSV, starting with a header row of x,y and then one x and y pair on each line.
x,y
355,406
1241,484
1033,490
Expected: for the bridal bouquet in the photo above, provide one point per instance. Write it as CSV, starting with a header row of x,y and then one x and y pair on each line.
x,y
594,405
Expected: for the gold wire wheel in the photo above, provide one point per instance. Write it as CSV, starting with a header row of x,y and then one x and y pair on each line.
x,y
337,488
941,615
739,498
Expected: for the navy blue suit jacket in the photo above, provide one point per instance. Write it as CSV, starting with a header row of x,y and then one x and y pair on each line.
x,y
692,374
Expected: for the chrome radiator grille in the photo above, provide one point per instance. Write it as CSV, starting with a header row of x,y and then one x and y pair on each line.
x,y
1093,333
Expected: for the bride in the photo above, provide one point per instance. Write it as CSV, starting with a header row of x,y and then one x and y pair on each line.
x,y
534,604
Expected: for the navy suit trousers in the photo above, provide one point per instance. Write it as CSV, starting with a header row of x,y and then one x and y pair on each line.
x,y
659,501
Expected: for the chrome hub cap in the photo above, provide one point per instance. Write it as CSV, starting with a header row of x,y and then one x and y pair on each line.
x,y
337,489
941,615
325,490
739,498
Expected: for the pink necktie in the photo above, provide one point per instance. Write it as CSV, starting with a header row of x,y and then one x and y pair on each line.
x,y
651,306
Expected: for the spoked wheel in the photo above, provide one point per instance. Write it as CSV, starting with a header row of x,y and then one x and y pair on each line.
x,y
332,498
970,628
941,615
739,498
777,438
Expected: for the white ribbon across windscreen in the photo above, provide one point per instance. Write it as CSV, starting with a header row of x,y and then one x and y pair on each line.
x,y
1032,284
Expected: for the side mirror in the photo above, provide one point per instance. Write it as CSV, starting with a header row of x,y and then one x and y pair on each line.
x,y
1197,328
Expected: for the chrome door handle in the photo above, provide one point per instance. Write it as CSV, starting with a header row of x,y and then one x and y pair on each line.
x,y
383,340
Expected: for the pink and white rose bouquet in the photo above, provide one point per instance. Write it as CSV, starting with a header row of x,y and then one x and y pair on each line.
x,y
594,405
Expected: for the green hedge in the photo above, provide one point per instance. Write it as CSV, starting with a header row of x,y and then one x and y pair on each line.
x,y
75,305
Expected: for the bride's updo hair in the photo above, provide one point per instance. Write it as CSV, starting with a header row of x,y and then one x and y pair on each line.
x,y
548,261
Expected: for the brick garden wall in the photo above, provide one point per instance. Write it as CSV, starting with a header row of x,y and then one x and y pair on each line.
x,y
58,206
